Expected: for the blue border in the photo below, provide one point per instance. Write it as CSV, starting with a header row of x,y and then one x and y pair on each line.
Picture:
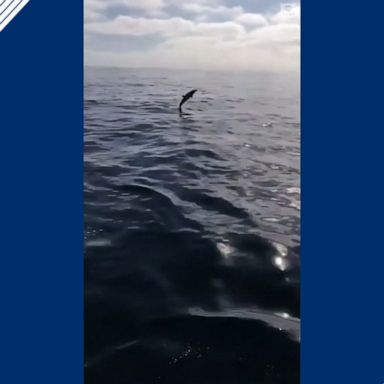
x,y
342,194
41,270
41,194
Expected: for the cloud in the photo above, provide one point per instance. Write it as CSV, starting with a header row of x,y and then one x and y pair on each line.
x,y
96,10
98,6
182,3
196,34
252,20
138,26
288,14
212,10
148,5
284,34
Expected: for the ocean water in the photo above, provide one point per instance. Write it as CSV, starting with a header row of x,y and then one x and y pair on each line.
x,y
192,227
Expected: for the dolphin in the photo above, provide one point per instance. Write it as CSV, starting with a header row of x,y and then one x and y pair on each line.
x,y
186,97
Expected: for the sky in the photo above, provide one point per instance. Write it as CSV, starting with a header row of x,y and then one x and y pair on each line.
x,y
257,35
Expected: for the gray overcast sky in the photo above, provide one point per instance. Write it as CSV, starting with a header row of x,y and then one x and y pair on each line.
x,y
256,35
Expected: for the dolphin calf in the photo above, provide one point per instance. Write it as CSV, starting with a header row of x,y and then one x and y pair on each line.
x,y
186,97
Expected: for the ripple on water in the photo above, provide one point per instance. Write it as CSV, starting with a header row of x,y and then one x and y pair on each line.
x,y
192,240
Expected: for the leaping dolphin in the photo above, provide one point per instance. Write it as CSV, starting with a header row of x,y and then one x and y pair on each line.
x,y
186,97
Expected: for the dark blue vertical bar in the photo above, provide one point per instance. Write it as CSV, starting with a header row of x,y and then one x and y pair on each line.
x,y
342,193
41,190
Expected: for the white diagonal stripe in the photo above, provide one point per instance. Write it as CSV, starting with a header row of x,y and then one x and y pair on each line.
x,y
6,5
9,9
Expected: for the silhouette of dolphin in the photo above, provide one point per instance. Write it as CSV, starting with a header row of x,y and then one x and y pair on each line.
x,y
186,97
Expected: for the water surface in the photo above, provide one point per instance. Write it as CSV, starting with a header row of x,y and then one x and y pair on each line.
x,y
192,227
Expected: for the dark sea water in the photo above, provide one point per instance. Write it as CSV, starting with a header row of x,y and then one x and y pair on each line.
x,y
192,223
